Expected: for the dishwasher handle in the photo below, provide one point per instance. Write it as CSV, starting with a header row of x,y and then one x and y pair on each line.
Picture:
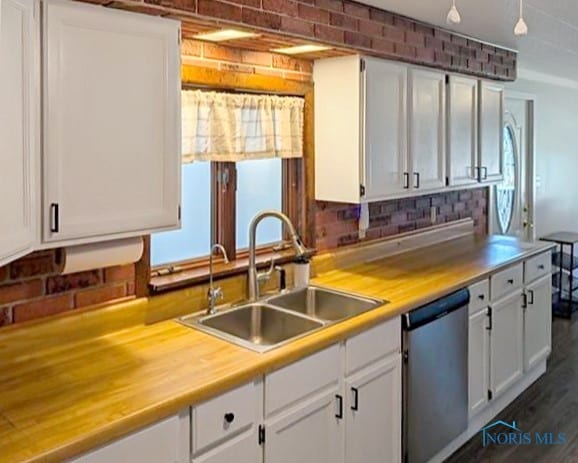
x,y
437,309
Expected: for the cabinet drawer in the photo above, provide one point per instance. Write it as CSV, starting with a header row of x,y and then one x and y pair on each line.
x,y
302,379
226,415
537,267
479,296
506,281
373,344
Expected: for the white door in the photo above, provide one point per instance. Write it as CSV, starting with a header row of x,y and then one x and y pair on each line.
x,y
427,103
241,449
462,94
111,122
385,136
478,362
538,322
511,201
308,433
373,414
490,134
506,343
18,128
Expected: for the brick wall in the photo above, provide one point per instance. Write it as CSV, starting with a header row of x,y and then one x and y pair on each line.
x,y
337,224
224,58
32,287
344,24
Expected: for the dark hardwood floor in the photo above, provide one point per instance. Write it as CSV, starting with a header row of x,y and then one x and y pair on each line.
x,y
549,405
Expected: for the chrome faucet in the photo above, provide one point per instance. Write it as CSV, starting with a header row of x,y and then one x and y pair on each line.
x,y
213,294
254,278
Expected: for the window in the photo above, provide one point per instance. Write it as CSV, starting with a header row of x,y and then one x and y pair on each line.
x,y
241,155
506,191
194,237
259,187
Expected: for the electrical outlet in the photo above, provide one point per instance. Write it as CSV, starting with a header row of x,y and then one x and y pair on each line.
x,y
433,214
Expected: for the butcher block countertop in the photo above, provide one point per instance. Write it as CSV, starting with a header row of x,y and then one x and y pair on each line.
x,y
69,386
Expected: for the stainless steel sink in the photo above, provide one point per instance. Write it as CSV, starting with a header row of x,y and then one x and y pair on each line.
x,y
325,304
257,326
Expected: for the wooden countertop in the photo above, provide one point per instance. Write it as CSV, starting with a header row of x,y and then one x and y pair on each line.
x,y
60,401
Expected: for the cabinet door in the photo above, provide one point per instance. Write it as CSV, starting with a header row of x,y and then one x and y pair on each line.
x,y
427,129
373,414
111,123
478,362
538,322
462,130
18,128
163,442
241,449
506,343
491,131
385,135
309,433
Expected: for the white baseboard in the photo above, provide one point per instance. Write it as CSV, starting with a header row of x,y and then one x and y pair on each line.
x,y
476,423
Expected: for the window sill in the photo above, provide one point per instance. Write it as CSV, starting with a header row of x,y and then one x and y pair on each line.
x,y
200,275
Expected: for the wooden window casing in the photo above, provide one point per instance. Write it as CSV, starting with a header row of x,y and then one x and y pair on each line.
x,y
297,178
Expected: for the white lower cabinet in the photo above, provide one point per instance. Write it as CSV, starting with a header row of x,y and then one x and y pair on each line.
x,y
164,442
241,449
511,334
537,322
373,413
308,433
339,405
478,361
506,345
226,428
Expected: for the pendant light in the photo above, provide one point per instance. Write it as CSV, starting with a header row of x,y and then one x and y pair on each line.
x,y
454,15
521,26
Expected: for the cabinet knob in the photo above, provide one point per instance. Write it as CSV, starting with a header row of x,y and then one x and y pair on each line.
x,y
511,281
481,297
541,267
229,417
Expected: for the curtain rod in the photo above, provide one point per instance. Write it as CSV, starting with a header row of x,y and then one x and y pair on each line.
x,y
190,86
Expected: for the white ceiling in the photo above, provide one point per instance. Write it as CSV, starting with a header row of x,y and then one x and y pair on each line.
x,y
550,48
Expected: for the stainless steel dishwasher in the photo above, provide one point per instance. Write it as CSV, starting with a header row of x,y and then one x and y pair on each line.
x,y
435,376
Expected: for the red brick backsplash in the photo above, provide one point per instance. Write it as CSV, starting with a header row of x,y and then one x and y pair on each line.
x,y
337,223
346,25
32,287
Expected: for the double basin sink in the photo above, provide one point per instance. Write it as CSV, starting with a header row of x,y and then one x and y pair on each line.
x,y
280,319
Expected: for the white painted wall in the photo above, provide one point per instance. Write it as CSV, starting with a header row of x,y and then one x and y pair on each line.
x,y
556,134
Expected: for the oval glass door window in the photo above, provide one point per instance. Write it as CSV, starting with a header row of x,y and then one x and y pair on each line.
x,y
506,191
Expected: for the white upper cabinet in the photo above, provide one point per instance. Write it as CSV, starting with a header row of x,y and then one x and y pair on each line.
x,y
360,129
111,123
462,130
491,158
385,130
385,136
18,119
427,108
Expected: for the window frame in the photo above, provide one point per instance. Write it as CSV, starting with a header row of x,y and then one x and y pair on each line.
x,y
297,178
